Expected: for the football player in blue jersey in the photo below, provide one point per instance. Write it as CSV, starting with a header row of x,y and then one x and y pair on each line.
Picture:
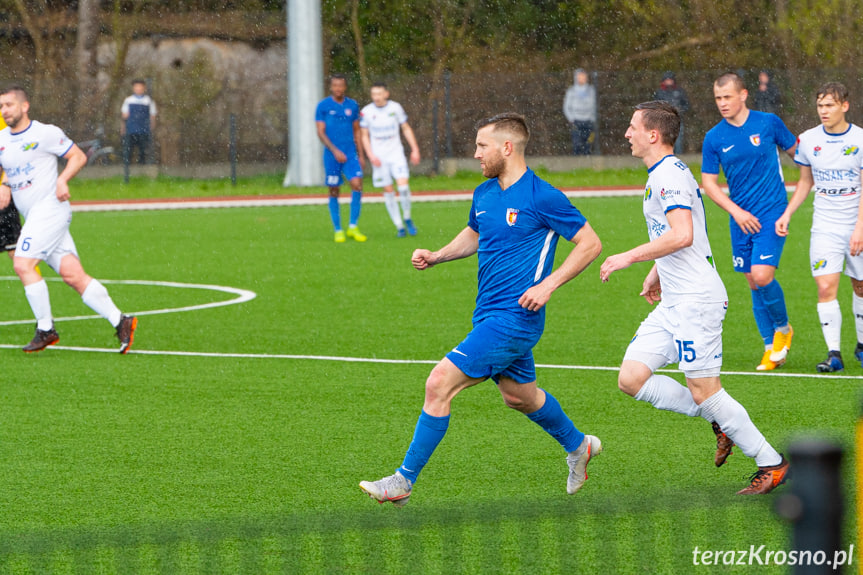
x,y
514,224
338,122
744,144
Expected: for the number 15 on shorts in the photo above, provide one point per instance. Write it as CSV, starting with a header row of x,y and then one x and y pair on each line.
x,y
685,351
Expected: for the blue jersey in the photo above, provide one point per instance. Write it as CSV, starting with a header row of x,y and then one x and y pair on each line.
x,y
518,231
750,160
339,119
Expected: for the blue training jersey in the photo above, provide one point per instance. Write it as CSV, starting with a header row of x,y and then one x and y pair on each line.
x,y
750,160
518,231
339,119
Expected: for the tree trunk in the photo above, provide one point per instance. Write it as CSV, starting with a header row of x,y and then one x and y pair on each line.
x,y
88,30
358,40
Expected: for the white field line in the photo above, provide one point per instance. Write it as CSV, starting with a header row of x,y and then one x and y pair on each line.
x,y
321,199
348,359
318,199
242,297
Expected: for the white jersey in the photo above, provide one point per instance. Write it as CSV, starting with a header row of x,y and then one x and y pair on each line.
x,y
384,126
835,160
29,159
688,274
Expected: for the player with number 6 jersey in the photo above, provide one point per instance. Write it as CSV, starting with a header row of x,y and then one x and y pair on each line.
x,y
28,154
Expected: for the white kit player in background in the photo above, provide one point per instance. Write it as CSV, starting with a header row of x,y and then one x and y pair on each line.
x,y
686,326
830,158
382,123
28,154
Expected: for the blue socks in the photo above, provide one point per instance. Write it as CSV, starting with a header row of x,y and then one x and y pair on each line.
x,y
774,301
556,423
428,433
334,213
762,317
356,204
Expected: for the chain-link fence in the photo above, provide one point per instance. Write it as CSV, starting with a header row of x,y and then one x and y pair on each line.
x,y
196,102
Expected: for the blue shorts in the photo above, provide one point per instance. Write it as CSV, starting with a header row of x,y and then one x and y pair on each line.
x,y
761,248
334,170
497,347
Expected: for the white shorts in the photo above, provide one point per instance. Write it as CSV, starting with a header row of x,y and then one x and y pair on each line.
x,y
45,234
391,169
828,251
689,333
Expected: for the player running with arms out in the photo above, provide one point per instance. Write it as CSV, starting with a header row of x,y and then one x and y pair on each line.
x,y
830,158
381,121
686,326
337,118
514,224
28,154
744,144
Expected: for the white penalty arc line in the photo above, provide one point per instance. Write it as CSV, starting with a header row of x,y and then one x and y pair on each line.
x,y
242,296
348,359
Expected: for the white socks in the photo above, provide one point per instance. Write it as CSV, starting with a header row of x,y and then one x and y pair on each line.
x,y
663,392
830,317
40,303
393,209
405,198
96,297
858,316
735,423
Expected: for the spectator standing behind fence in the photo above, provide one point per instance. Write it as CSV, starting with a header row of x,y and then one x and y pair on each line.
x,y
139,123
579,107
767,98
670,92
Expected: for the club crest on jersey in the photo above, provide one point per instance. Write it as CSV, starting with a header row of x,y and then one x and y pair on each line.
x,y
648,193
850,150
29,146
755,139
511,216
816,151
348,112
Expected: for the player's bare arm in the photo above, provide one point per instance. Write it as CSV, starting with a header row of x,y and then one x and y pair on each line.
x,y
747,222
75,160
801,192
651,291
587,248
367,146
856,244
325,140
5,190
358,142
412,142
679,236
464,245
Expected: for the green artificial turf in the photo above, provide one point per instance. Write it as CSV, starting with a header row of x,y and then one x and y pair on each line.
x,y
249,464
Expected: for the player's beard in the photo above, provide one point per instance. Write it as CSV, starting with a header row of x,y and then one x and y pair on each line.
x,y
492,168
13,121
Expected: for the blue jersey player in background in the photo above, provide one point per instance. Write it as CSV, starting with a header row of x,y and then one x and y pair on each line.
x,y
514,225
745,144
338,121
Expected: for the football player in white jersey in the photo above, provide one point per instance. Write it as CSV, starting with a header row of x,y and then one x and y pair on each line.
x,y
830,158
382,123
686,326
28,154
